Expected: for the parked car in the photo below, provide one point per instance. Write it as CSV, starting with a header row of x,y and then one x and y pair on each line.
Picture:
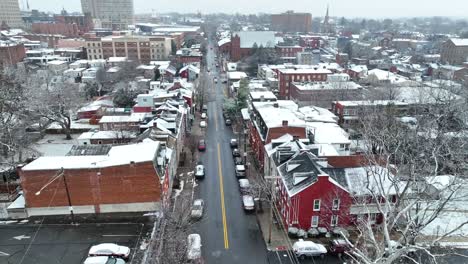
x,y
240,171
248,202
216,80
200,171
228,122
233,143
194,247
103,260
244,186
202,124
224,81
304,249
201,145
203,116
109,249
238,161
338,247
235,153
205,108
197,209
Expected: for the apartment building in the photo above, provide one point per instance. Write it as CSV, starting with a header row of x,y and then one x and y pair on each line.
x,y
113,14
454,51
10,13
139,48
292,22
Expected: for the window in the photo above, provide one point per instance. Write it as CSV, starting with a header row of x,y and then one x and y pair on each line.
x,y
315,221
336,204
317,205
334,220
342,146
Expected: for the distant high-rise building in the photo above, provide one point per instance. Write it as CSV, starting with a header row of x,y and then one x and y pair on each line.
x,y
10,13
291,22
114,14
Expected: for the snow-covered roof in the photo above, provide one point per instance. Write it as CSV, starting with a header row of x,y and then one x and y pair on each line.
x,y
317,114
261,38
120,119
267,95
460,41
374,102
117,59
305,71
18,203
95,105
274,116
328,133
236,75
223,41
118,155
362,180
327,86
106,135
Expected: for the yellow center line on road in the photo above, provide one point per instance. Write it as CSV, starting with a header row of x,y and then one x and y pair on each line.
x,y
223,208
215,117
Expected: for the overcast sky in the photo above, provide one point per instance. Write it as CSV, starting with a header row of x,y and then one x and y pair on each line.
x,y
347,8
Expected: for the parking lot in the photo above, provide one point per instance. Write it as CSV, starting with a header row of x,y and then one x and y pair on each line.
x,y
65,243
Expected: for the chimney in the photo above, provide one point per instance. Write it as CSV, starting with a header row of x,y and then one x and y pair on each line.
x,y
285,123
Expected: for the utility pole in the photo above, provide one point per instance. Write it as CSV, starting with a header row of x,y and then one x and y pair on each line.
x,y
68,197
272,203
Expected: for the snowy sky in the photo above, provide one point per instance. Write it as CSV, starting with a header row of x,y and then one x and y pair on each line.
x,y
347,8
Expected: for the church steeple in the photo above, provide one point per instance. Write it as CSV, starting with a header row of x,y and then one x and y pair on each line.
x,y
326,28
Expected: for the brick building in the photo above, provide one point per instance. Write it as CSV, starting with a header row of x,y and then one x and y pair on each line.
x,y
120,179
271,120
11,53
311,42
243,41
139,48
118,123
322,94
287,76
52,40
289,51
454,51
291,22
68,30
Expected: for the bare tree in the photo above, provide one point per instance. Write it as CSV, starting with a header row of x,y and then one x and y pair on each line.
x,y
398,198
56,102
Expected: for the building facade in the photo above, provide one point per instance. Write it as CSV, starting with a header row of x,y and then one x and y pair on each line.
x,y
11,53
10,13
287,76
292,22
454,51
139,48
113,14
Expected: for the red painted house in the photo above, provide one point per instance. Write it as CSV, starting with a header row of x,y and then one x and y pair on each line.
x,y
308,197
287,76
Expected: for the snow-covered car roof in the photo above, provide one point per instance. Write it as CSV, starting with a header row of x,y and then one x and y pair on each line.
x,y
244,183
248,200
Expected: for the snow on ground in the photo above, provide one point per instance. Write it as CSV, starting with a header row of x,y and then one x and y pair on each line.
x,y
55,145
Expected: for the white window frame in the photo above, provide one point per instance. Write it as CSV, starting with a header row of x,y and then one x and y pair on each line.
x,y
312,221
334,220
319,203
337,207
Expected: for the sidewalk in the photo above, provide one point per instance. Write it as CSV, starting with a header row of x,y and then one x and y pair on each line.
x,y
278,241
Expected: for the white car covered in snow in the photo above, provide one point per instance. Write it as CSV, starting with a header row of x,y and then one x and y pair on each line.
x,y
197,209
109,249
194,247
304,249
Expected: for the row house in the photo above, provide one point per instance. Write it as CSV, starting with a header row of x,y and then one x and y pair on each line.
x,y
288,51
349,112
287,76
322,94
106,137
271,120
312,195
120,123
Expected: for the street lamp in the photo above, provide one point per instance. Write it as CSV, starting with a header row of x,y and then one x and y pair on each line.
x,y
62,175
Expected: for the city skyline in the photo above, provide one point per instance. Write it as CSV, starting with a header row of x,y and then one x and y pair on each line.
x,y
338,8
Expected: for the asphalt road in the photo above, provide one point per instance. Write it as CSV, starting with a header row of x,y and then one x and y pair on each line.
x,y
50,244
229,235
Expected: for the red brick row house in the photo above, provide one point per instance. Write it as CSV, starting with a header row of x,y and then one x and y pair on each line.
x,y
271,120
